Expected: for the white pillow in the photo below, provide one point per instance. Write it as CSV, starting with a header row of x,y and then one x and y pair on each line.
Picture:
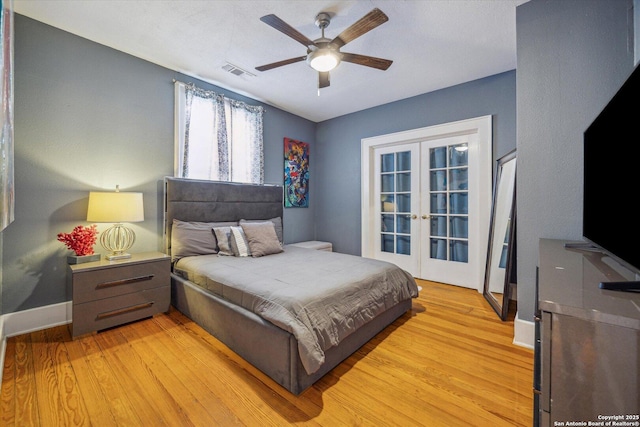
x,y
238,242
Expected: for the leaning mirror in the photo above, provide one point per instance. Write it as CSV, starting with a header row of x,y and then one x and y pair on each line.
x,y
500,254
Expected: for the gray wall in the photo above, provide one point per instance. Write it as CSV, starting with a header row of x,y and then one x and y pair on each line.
x,y
338,155
88,117
572,57
636,31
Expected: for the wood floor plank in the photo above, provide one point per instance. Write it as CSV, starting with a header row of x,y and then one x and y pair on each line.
x,y
419,389
72,410
205,387
186,385
449,361
102,394
153,401
7,399
26,406
45,383
59,400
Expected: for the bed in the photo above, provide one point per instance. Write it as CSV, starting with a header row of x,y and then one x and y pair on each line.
x,y
294,313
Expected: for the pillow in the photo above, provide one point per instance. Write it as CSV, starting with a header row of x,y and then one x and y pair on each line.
x,y
223,236
277,222
262,238
238,242
193,238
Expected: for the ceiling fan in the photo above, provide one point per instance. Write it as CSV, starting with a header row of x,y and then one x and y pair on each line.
x,y
324,54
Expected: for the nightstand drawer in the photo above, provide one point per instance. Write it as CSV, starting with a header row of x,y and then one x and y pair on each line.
x,y
120,280
105,313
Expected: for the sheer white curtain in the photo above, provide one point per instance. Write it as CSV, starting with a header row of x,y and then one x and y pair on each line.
x,y
6,115
244,130
217,138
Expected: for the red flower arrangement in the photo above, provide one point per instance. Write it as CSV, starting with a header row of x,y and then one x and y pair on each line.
x,y
81,239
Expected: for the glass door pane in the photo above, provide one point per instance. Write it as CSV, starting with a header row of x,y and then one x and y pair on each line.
x,y
449,205
395,199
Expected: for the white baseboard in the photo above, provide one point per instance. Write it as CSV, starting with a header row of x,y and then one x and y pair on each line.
x,y
524,332
35,319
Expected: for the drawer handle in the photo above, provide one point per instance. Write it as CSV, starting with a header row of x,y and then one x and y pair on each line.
x,y
124,281
112,313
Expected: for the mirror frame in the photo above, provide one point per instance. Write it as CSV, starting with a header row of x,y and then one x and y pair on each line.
x,y
502,309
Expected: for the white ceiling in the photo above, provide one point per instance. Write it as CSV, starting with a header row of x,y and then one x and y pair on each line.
x,y
433,44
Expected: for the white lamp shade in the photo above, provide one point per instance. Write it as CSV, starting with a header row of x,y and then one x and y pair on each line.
x,y
115,207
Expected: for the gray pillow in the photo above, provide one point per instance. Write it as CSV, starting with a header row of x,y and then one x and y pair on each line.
x,y
223,236
277,222
262,238
193,238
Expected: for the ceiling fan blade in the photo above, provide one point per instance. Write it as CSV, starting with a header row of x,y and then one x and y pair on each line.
x,y
323,79
281,63
286,29
367,61
367,23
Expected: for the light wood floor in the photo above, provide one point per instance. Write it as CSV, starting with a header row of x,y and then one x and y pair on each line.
x,y
449,362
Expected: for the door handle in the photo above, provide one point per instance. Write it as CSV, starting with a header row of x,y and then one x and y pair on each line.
x,y
414,216
426,216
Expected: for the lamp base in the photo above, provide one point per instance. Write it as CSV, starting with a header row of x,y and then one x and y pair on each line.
x,y
117,239
115,257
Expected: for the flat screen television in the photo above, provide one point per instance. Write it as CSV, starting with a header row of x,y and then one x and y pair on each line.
x,y
611,218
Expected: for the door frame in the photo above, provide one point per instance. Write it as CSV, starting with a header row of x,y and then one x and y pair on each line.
x,y
481,127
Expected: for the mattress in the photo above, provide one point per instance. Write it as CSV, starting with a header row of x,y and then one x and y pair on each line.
x,y
320,297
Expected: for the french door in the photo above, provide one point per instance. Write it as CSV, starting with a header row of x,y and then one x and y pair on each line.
x,y
397,170
427,205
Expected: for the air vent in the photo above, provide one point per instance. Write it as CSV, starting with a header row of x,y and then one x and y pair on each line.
x,y
237,70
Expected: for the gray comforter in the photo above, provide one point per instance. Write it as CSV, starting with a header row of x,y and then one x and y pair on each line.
x,y
320,297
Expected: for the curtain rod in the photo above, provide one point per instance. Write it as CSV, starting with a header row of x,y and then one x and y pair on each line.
x,y
264,110
185,83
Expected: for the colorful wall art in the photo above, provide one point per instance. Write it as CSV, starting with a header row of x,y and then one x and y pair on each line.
x,y
296,174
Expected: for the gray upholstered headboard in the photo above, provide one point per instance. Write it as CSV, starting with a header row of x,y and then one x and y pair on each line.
x,y
213,201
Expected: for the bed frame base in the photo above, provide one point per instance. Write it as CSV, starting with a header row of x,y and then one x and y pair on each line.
x,y
267,347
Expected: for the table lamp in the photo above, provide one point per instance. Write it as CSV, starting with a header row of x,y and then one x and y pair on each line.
x,y
116,207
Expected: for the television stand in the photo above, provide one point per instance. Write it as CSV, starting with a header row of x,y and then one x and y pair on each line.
x,y
621,286
586,348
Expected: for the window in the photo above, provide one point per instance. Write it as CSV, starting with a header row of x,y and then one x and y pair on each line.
x,y
217,138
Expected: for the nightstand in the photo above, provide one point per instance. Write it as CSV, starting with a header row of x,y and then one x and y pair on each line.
x,y
315,244
111,293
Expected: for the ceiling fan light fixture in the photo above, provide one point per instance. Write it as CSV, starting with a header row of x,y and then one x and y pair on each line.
x,y
323,59
323,54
